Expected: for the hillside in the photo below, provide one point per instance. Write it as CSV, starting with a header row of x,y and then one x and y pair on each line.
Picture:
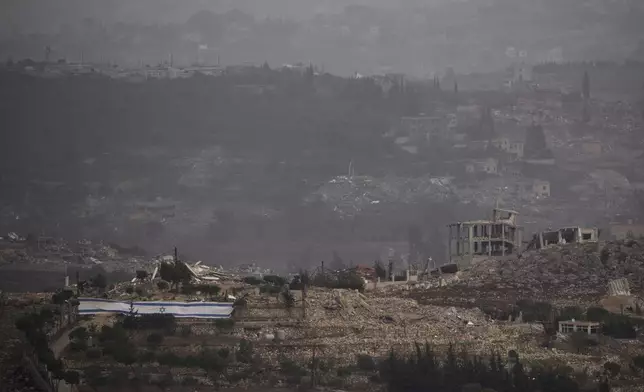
x,y
570,274
210,160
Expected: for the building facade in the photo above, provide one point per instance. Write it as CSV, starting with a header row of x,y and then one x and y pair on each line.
x,y
500,236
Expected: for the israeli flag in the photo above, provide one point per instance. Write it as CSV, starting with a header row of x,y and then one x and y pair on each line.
x,y
205,310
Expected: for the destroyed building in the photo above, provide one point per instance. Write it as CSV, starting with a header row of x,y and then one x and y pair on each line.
x,y
500,236
565,235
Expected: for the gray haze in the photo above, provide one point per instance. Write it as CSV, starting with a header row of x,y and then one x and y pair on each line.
x,y
417,37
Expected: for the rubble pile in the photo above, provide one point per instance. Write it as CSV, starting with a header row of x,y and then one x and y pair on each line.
x,y
347,323
16,250
572,271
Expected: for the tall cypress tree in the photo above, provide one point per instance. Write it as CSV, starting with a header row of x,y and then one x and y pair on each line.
x,y
586,86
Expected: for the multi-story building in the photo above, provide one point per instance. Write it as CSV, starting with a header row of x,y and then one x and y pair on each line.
x,y
469,241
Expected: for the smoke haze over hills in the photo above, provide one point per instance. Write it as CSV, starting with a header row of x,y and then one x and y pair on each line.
x,y
418,38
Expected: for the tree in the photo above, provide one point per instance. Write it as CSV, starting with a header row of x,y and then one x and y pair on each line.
x,y
175,273
141,274
124,354
99,281
535,146
380,270
78,338
275,280
289,300
585,86
612,369
155,339
93,376
163,285
579,340
638,362
57,376
72,378
245,351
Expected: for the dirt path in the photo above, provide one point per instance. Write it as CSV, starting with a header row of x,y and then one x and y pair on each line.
x,y
57,347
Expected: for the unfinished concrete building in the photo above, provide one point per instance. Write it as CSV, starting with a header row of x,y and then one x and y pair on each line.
x,y
500,236
565,235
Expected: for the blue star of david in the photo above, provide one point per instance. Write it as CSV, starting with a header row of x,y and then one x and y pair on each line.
x,y
162,309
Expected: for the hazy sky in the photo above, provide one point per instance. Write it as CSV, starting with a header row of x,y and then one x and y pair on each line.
x,y
30,15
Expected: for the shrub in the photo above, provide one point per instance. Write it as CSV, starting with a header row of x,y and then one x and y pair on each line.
x,y
147,357
129,289
638,362
612,368
366,362
275,280
78,345
140,291
245,351
155,339
93,353
223,353
579,340
597,314
189,381
252,280
185,331
269,289
288,298
168,359
163,285
534,311
225,324
291,368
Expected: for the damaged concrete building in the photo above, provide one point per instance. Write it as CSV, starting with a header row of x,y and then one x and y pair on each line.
x,y
565,235
500,236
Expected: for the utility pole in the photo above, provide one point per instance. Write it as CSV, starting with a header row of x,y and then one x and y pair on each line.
x,y
176,257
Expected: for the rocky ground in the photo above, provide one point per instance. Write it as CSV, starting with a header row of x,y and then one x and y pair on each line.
x,y
569,274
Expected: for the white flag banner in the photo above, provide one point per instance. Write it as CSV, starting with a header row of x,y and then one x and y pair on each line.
x,y
177,309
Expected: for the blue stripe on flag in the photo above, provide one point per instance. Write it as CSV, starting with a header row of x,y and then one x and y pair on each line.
x,y
151,303
179,315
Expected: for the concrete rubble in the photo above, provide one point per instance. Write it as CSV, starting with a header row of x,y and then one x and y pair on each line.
x,y
16,250
571,271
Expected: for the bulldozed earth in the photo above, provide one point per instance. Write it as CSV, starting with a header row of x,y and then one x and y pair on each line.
x,y
335,338
572,274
